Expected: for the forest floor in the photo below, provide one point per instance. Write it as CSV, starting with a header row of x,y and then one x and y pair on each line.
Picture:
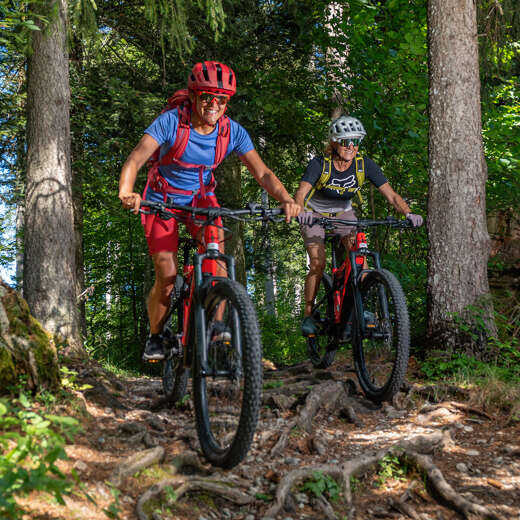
x,y
452,455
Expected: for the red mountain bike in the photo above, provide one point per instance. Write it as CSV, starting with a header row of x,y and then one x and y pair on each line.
x,y
366,307
212,329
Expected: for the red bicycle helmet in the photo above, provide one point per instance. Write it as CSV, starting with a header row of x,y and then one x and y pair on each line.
x,y
214,77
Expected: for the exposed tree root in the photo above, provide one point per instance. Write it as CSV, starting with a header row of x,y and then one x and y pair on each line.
x,y
333,395
457,406
342,473
444,492
184,484
436,392
134,463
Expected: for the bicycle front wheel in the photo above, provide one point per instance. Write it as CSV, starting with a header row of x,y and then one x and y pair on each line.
x,y
382,344
228,386
322,347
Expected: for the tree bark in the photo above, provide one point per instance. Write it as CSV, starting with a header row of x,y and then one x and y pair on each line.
x,y
49,261
459,306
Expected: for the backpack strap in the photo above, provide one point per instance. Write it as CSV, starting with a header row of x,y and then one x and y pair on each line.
x,y
324,177
181,137
360,175
174,154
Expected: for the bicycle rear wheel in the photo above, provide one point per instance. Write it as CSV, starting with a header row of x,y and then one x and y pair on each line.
x,y
323,346
381,350
175,375
228,395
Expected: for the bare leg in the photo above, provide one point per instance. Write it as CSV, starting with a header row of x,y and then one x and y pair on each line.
x,y
316,254
165,264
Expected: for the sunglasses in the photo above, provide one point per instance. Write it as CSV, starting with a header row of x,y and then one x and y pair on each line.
x,y
206,98
355,141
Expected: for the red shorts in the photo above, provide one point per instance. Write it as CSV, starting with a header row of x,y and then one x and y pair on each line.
x,y
163,235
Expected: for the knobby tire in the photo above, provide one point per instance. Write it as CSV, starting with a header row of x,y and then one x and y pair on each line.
x,y
381,354
227,407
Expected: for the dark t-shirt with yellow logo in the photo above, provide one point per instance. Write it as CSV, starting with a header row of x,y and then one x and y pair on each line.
x,y
334,196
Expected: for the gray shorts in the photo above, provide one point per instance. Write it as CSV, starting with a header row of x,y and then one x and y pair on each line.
x,y
313,235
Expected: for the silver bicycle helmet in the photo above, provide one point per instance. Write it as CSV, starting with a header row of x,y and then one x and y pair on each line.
x,y
344,127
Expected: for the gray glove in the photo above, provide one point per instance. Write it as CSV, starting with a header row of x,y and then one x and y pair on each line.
x,y
305,218
415,220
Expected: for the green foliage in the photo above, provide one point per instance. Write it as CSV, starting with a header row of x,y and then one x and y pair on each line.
x,y
273,384
505,366
264,497
31,443
113,510
391,468
68,380
320,485
501,132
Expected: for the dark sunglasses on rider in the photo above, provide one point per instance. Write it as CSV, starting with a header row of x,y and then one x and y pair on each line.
x,y
355,141
207,98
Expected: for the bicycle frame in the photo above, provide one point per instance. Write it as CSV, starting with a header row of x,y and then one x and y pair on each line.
x,y
199,274
352,267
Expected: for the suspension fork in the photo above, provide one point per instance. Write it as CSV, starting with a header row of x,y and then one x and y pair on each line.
x,y
203,283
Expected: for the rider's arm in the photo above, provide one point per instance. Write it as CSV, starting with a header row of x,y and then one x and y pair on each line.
x,y
138,156
270,182
394,198
301,192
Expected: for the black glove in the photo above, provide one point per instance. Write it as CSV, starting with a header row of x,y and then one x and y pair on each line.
x,y
305,217
415,220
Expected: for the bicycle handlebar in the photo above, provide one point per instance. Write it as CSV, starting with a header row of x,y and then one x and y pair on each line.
x,y
363,223
252,209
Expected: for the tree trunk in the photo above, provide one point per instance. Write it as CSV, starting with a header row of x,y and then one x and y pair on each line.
x,y
77,161
49,261
229,193
459,306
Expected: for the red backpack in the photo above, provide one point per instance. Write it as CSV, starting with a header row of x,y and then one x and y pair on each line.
x,y
180,101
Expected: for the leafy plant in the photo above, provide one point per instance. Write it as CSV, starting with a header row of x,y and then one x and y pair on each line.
x,y
320,485
30,446
113,510
390,467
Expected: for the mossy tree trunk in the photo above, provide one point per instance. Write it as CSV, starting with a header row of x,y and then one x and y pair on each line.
x,y
26,349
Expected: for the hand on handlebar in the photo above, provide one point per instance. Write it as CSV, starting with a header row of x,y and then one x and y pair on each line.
x,y
305,218
291,209
130,200
415,220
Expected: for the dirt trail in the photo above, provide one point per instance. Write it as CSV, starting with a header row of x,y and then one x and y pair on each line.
x,y
439,455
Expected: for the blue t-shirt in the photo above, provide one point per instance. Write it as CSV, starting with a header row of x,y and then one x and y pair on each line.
x,y
200,150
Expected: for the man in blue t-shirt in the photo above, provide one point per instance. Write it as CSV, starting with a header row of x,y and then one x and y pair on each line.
x,y
188,179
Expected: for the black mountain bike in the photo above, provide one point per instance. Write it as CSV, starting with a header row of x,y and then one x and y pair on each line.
x,y
366,307
212,329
